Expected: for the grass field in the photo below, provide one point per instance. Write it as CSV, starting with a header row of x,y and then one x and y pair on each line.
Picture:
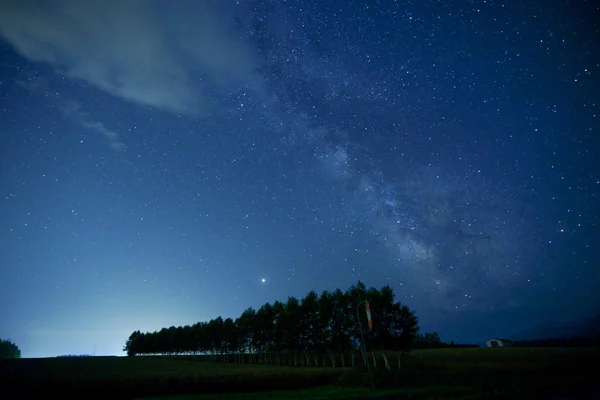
x,y
549,373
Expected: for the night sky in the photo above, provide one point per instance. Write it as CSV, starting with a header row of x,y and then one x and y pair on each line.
x,y
164,163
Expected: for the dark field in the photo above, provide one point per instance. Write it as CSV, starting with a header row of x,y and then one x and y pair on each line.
x,y
499,373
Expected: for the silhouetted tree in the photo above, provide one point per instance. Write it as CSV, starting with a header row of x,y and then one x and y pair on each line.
x,y
264,328
215,335
395,326
429,340
245,330
9,350
229,342
132,345
341,324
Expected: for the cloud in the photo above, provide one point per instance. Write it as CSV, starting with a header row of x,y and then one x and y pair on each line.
x,y
166,55
73,109
111,136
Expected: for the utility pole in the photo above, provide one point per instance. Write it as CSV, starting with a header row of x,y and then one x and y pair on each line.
x,y
364,349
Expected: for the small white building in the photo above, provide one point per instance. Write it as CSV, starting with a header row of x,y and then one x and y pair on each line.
x,y
499,343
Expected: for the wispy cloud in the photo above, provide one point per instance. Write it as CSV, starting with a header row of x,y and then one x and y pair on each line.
x,y
74,110
165,55
111,136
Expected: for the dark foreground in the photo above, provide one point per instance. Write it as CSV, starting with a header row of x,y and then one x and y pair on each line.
x,y
509,373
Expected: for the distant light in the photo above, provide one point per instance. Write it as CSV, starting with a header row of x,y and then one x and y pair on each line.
x,y
263,280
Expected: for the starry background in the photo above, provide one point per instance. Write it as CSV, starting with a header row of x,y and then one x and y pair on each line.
x,y
159,159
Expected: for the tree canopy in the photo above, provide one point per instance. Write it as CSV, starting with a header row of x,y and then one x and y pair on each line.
x,y
9,350
317,322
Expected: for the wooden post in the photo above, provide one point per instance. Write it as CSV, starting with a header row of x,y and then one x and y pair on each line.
x,y
385,360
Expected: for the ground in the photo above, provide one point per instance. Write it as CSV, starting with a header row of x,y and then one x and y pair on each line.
x,y
494,373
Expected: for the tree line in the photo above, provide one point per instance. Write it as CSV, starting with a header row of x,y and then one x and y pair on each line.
x,y
326,322
431,340
591,341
